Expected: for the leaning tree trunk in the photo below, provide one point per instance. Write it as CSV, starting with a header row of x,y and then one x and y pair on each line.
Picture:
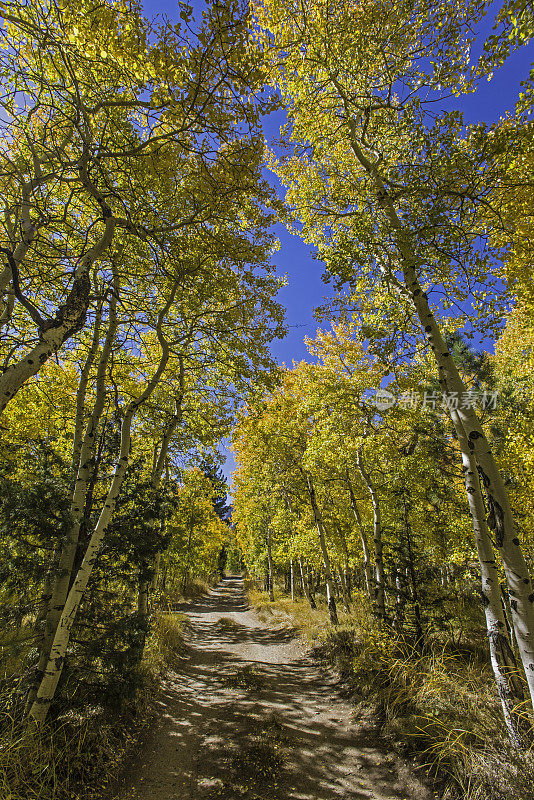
x,y
69,319
330,589
54,667
500,518
367,568
85,467
501,654
379,587
270,566
146,584
308,594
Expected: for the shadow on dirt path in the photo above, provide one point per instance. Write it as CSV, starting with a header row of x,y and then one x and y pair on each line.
x,y
250,716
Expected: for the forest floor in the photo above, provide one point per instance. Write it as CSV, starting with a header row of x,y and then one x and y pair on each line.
x,y
250,715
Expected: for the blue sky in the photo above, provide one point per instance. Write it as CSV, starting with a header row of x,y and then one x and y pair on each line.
x,y
305,289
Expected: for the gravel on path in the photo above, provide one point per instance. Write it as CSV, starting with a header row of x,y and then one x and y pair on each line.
x,y
251,716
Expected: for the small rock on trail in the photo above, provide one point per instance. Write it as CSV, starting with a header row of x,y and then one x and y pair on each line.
x,y
250,716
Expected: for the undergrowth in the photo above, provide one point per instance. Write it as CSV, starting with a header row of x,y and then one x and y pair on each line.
x,y
439,704
195,588
257,765
245,678
77,757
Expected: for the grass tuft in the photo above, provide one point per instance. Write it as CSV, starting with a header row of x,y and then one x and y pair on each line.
x,y
440,705
227,625
245,678
79,758
166,643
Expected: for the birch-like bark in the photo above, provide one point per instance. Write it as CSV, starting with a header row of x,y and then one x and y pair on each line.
x,y
447,575
367,568
500,518
54,667
344,590
29,232
341,571
86,466
400,597
311,587
306,587
501,654
69,319
379,595
270,566
292,580
81,392
330,588
344,570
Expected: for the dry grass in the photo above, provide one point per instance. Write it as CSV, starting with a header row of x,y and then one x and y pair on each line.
x,y
441,705
79,758
227,625
245,678
309,623
166,643
73,759
195,589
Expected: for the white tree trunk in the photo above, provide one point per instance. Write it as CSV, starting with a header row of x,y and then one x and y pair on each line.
x,y
305,586
270,566
501,654
85,468
69,319
367,568
54,667
330,588
379,594
500,518
344,590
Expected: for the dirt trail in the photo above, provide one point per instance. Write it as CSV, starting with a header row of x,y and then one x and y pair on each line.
x,y
250,716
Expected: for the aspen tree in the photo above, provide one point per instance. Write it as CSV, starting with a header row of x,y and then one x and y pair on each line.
x,y
502,656
330,589
379,582
367,568
119,139
54,667
379,197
